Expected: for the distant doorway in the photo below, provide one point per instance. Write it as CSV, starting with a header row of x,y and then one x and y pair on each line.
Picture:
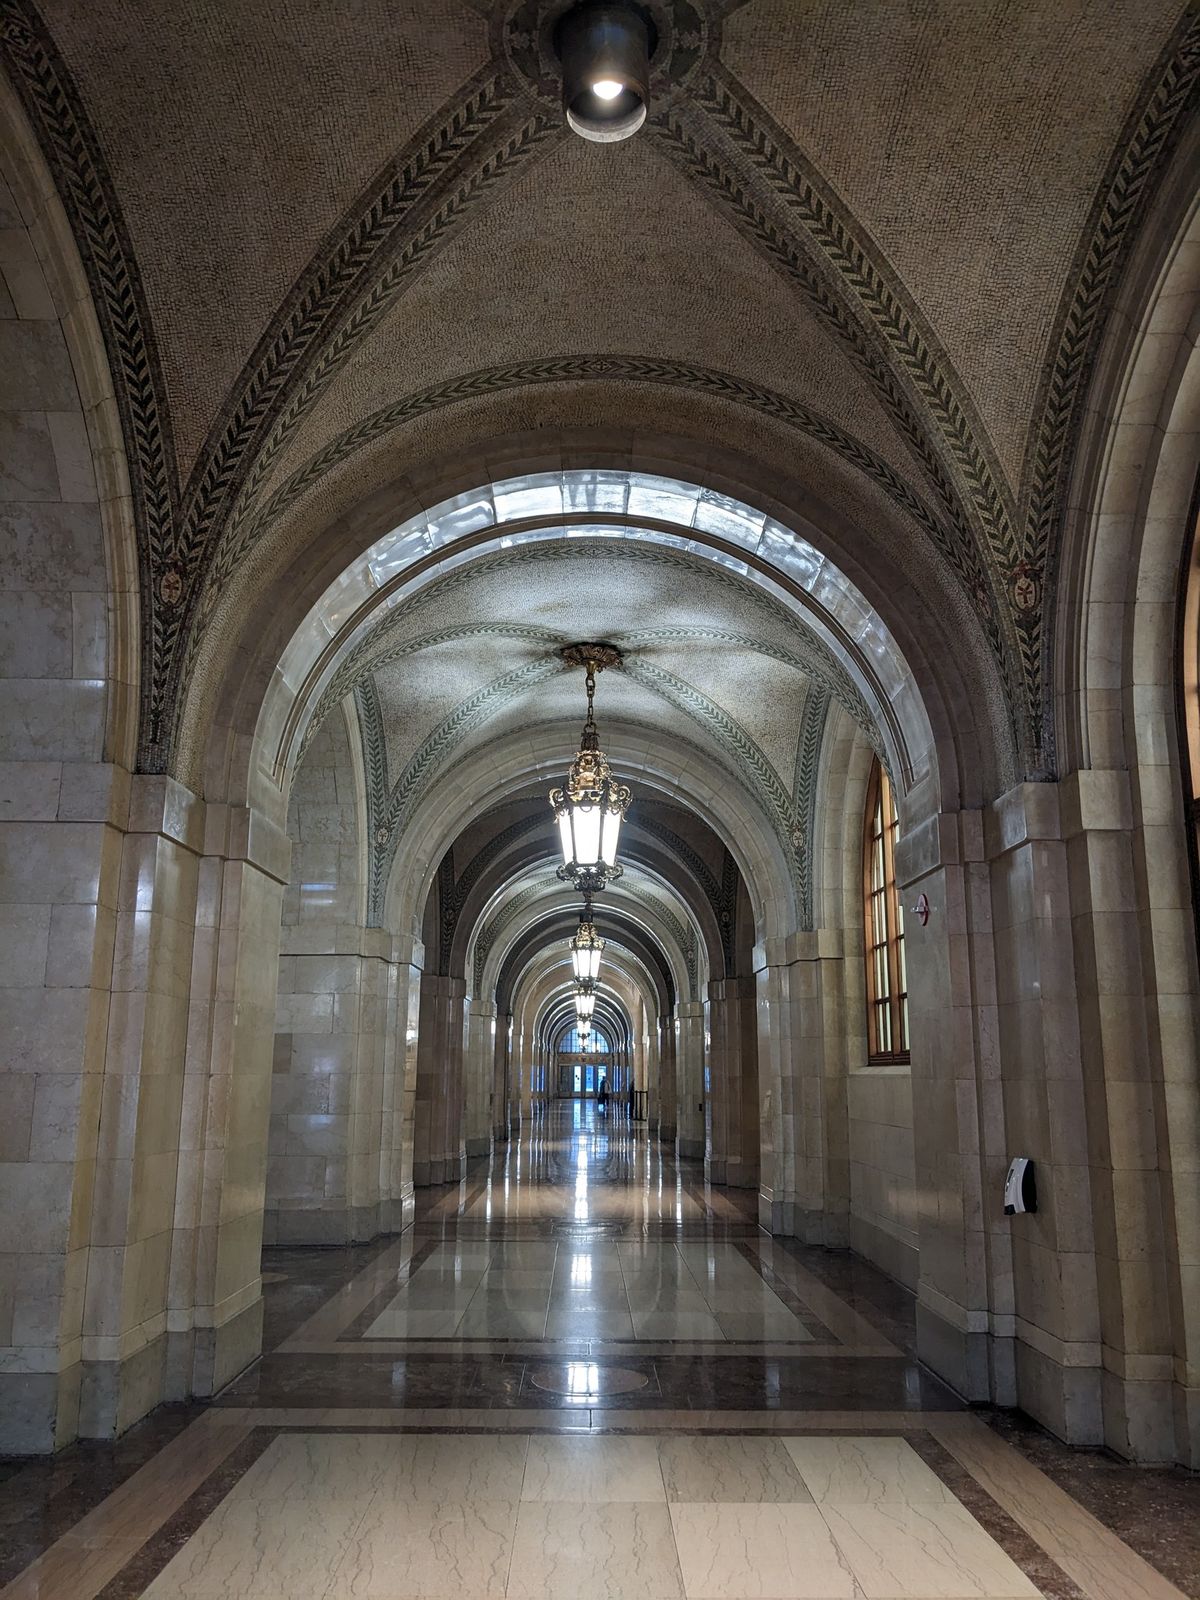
x,y
580,1072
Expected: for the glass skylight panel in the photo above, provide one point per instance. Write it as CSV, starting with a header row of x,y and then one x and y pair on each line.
x,y
667,541
595,491
538,496
662,499
465,513
398,551
343,598
794,556
730,519
720,559
591,530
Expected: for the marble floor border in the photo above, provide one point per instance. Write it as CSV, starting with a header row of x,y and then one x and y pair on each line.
x,y
117,1549
340,1322
570,1349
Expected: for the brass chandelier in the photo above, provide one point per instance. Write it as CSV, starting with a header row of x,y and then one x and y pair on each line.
x,y
586,947
590,806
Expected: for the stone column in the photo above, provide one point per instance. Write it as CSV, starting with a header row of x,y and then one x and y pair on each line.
x,y
955,1090
733,1149
668,1113
481,1064
502,1087
1128,1126
216,1286
331,1062
125,1325
804,1187
440,1145
1055,1298
690,1027
60,864
401,1093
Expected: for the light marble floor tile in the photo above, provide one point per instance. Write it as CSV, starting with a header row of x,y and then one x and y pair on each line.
x,y
929,1550
589,1300
486,1321
661,1297
269,1550
577,1281
458,1257
759,1552
676,1325
518,1282
451,1550
402,1322
593,1469
729,1469
526,1255
564,1322
863,1471
461,1468
577,1550
439,1290
298,1466
758,1326
722,1296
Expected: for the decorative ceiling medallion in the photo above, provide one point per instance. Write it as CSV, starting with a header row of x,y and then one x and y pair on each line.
x,y
523,35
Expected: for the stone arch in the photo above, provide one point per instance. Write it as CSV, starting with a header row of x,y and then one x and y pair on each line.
x,y
965,733
1123,821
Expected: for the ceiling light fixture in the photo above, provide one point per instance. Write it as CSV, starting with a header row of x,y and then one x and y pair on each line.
x,y
605,52
591,804
586,946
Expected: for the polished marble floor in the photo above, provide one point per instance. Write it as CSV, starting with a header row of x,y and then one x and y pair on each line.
x,y
585,1373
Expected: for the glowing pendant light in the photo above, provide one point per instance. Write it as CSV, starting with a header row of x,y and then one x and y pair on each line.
x,y
591,804
586,947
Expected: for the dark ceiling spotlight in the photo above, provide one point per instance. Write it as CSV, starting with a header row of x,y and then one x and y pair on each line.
x,y
605,52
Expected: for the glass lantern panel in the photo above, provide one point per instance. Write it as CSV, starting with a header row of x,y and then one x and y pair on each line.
x,y
608,839
587,834
564,837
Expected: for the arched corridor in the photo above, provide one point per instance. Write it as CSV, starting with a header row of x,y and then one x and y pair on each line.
x,y
599,749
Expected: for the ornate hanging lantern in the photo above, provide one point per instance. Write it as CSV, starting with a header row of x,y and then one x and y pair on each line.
x,y
586,947
585,1005
592,803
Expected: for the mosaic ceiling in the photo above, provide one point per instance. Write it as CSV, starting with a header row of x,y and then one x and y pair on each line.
x,y
322,253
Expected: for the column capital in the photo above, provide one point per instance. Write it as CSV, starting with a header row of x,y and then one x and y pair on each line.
x,y
240,833
162,806
1095,800
949,838
806,944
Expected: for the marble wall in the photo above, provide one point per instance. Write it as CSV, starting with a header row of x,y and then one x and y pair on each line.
x,y
339,1047
883,1191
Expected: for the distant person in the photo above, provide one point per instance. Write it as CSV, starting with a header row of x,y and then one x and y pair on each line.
x,y
602,1097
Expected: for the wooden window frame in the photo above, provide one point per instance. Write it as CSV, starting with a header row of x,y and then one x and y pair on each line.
x,y
882,912
1187,655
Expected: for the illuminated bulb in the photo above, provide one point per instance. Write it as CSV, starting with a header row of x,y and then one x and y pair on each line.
x,y
606,89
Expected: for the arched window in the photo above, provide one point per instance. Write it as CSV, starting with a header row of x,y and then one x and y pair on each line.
x,y
597,1044
883,922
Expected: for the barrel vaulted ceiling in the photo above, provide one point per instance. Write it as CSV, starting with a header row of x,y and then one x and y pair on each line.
x,y
328,243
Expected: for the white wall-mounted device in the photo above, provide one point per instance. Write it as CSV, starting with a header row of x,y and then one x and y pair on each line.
x,y
1020,1190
